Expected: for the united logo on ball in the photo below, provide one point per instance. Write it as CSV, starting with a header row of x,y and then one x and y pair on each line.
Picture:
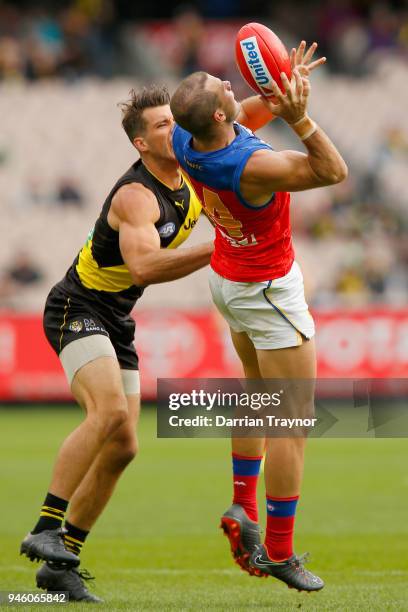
x,y
261,57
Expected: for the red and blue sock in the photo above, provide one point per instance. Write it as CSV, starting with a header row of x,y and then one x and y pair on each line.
x,y
280,523
246,472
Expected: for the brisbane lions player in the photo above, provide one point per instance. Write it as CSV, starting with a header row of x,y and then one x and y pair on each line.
x,y
257,286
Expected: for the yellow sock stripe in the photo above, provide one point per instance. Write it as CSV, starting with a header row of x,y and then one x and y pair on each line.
x,y
49,509
59,518
71,539
72,548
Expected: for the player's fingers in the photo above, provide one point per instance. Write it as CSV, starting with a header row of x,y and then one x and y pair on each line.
x,y
310,52
299,83
287,85
300,51
316,63
277,91
306,88
293,58
303,70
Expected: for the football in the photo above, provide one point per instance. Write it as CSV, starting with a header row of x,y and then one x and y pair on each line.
x,y
261,57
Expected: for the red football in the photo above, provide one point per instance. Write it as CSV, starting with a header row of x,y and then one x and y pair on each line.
x,y
261,56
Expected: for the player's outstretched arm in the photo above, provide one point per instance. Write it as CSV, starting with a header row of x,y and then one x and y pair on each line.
x,y
256,111
269,171
134,213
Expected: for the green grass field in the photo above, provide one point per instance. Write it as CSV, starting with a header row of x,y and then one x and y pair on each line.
x,y
158,546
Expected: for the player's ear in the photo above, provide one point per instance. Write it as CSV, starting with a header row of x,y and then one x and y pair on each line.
x,y
219,115
140,144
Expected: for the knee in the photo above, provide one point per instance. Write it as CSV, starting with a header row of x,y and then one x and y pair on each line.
x,y
123,450
110,414
127,454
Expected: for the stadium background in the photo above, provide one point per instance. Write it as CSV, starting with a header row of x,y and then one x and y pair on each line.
x,y
63,68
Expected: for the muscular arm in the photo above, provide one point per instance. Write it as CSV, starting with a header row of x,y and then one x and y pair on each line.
x,y
134,213
269,171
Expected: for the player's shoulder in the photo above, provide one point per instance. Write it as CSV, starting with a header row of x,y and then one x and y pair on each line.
x,y
131,192
134,200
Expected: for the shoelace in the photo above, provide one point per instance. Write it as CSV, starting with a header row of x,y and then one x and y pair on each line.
x,y
84,574
300,562
305,558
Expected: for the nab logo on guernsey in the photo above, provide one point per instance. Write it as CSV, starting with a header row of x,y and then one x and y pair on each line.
x,y
87,325
90,325
167,229
256,64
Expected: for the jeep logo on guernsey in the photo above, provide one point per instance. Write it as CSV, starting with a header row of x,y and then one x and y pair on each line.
x,y
191,223
255,62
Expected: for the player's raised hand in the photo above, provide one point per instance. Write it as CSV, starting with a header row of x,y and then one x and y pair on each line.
x,y
302,59
291,105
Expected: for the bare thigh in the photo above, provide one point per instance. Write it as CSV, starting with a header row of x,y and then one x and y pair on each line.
x,y
98,388
294,362
247,353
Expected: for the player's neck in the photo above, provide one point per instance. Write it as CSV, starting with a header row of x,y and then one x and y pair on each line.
x,y
220,140
168,172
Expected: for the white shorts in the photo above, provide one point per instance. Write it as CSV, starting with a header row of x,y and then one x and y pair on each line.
x,y
274,313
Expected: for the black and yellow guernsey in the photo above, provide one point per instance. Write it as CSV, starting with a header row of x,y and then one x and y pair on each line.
x,y
99,273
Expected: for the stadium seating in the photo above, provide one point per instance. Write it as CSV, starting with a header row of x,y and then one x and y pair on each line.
x,y
51,131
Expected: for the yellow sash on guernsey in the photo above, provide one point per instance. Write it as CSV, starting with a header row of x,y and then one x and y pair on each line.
x,y
190,220
112,278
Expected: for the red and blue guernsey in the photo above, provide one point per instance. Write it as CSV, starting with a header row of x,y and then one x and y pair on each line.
x,y
253,243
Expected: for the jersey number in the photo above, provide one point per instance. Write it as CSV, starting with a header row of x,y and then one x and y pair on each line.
x,y
221,215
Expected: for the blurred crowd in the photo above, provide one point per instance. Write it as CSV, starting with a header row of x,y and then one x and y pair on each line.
x,y
357,229
72,38
62,39
353,238
366,234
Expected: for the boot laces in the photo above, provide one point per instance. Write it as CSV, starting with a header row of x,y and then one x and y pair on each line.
x,y
84,574
299,562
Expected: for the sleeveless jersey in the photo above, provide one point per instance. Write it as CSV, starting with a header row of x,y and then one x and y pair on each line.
x,y
99,273
253,243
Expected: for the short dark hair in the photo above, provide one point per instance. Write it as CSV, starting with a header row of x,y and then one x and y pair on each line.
x,y
133,121
193,106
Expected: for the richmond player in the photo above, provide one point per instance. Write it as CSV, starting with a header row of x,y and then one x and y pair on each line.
x,y
149,212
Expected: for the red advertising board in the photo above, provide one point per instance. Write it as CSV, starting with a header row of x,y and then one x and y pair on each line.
x,y
177,344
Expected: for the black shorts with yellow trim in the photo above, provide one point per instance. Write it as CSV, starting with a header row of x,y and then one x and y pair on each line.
x,y
69,317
